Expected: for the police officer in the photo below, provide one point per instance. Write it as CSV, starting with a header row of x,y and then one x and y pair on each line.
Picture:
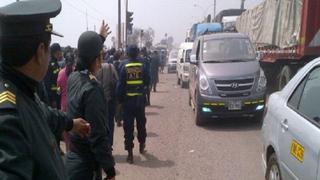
x,y
28,147
86,99
50,80
147,60
132,86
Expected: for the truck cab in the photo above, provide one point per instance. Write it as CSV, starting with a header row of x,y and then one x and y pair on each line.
x,y
225,78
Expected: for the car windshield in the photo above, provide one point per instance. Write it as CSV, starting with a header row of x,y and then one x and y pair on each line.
x,y
228,50
173,55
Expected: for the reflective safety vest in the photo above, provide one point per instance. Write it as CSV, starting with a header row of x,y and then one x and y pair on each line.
x,y
134,84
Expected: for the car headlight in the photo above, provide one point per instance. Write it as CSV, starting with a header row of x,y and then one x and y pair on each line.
x,y
204,84
262,83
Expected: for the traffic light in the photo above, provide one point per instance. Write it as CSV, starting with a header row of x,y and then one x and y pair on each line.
x,y
129,22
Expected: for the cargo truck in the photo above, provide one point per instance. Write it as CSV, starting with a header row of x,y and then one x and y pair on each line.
x,y
286,34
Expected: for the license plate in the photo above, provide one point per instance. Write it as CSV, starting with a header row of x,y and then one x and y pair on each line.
x,y
297,150
235,105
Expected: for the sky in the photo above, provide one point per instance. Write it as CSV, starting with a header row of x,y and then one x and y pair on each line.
x,y
173,17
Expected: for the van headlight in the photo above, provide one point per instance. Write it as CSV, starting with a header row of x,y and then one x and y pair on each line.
x,y
204,84
262,83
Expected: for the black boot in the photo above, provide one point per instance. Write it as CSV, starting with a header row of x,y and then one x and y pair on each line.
x,y
142,148
130,157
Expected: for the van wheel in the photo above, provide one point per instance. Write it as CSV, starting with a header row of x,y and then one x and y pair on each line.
x,y
183,84
284,77
273,170
198,119
258,117
199,122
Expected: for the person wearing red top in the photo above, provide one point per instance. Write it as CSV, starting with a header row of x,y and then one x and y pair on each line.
x,y
62,84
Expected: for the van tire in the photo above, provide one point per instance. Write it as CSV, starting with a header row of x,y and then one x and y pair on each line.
x,y
273,167
285,75
258,117
183,84
199,121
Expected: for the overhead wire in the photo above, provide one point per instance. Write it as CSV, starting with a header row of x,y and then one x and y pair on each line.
x,y
93,8
82,11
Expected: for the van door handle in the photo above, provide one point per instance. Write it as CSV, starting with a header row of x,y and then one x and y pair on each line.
x,y
284,125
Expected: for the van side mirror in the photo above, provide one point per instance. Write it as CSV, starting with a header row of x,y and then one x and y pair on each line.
x,y
193,59
181,60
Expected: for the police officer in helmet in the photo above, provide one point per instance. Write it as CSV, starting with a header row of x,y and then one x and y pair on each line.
x,y
132,87
28,127
87,156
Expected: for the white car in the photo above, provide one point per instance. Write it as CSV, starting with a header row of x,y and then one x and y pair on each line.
x,y
291,128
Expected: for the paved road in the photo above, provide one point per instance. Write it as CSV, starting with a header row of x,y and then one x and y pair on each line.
x,y
178,150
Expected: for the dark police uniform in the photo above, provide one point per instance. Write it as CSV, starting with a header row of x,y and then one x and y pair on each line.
x,y
147,61
28,130
86,99
28,147
131,89
51,82
88,155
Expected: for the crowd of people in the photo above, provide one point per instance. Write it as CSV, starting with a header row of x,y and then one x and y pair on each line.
x,y
76,95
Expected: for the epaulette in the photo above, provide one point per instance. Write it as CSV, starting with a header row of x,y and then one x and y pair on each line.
x,y
7,96
92,77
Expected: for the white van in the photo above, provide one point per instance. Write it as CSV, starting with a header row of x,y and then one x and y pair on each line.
x,y
183,63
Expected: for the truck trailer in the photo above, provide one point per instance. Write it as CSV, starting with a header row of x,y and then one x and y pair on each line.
x,y
286,35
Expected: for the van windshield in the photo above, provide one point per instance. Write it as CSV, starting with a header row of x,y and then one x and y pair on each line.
x,y
228,50
188,53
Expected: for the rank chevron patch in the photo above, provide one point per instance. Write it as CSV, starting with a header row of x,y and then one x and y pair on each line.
x,y
7,96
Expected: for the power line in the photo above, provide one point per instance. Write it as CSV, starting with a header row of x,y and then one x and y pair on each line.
x,y
93,8
82,11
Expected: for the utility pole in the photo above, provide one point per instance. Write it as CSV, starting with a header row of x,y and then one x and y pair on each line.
x,y
242,4
87,20
214,10
126,26
119,24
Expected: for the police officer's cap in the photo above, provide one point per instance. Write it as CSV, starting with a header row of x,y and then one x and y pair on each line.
x,y
90,45
133,50
28,18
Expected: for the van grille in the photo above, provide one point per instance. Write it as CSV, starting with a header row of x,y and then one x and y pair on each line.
x,y
234,85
